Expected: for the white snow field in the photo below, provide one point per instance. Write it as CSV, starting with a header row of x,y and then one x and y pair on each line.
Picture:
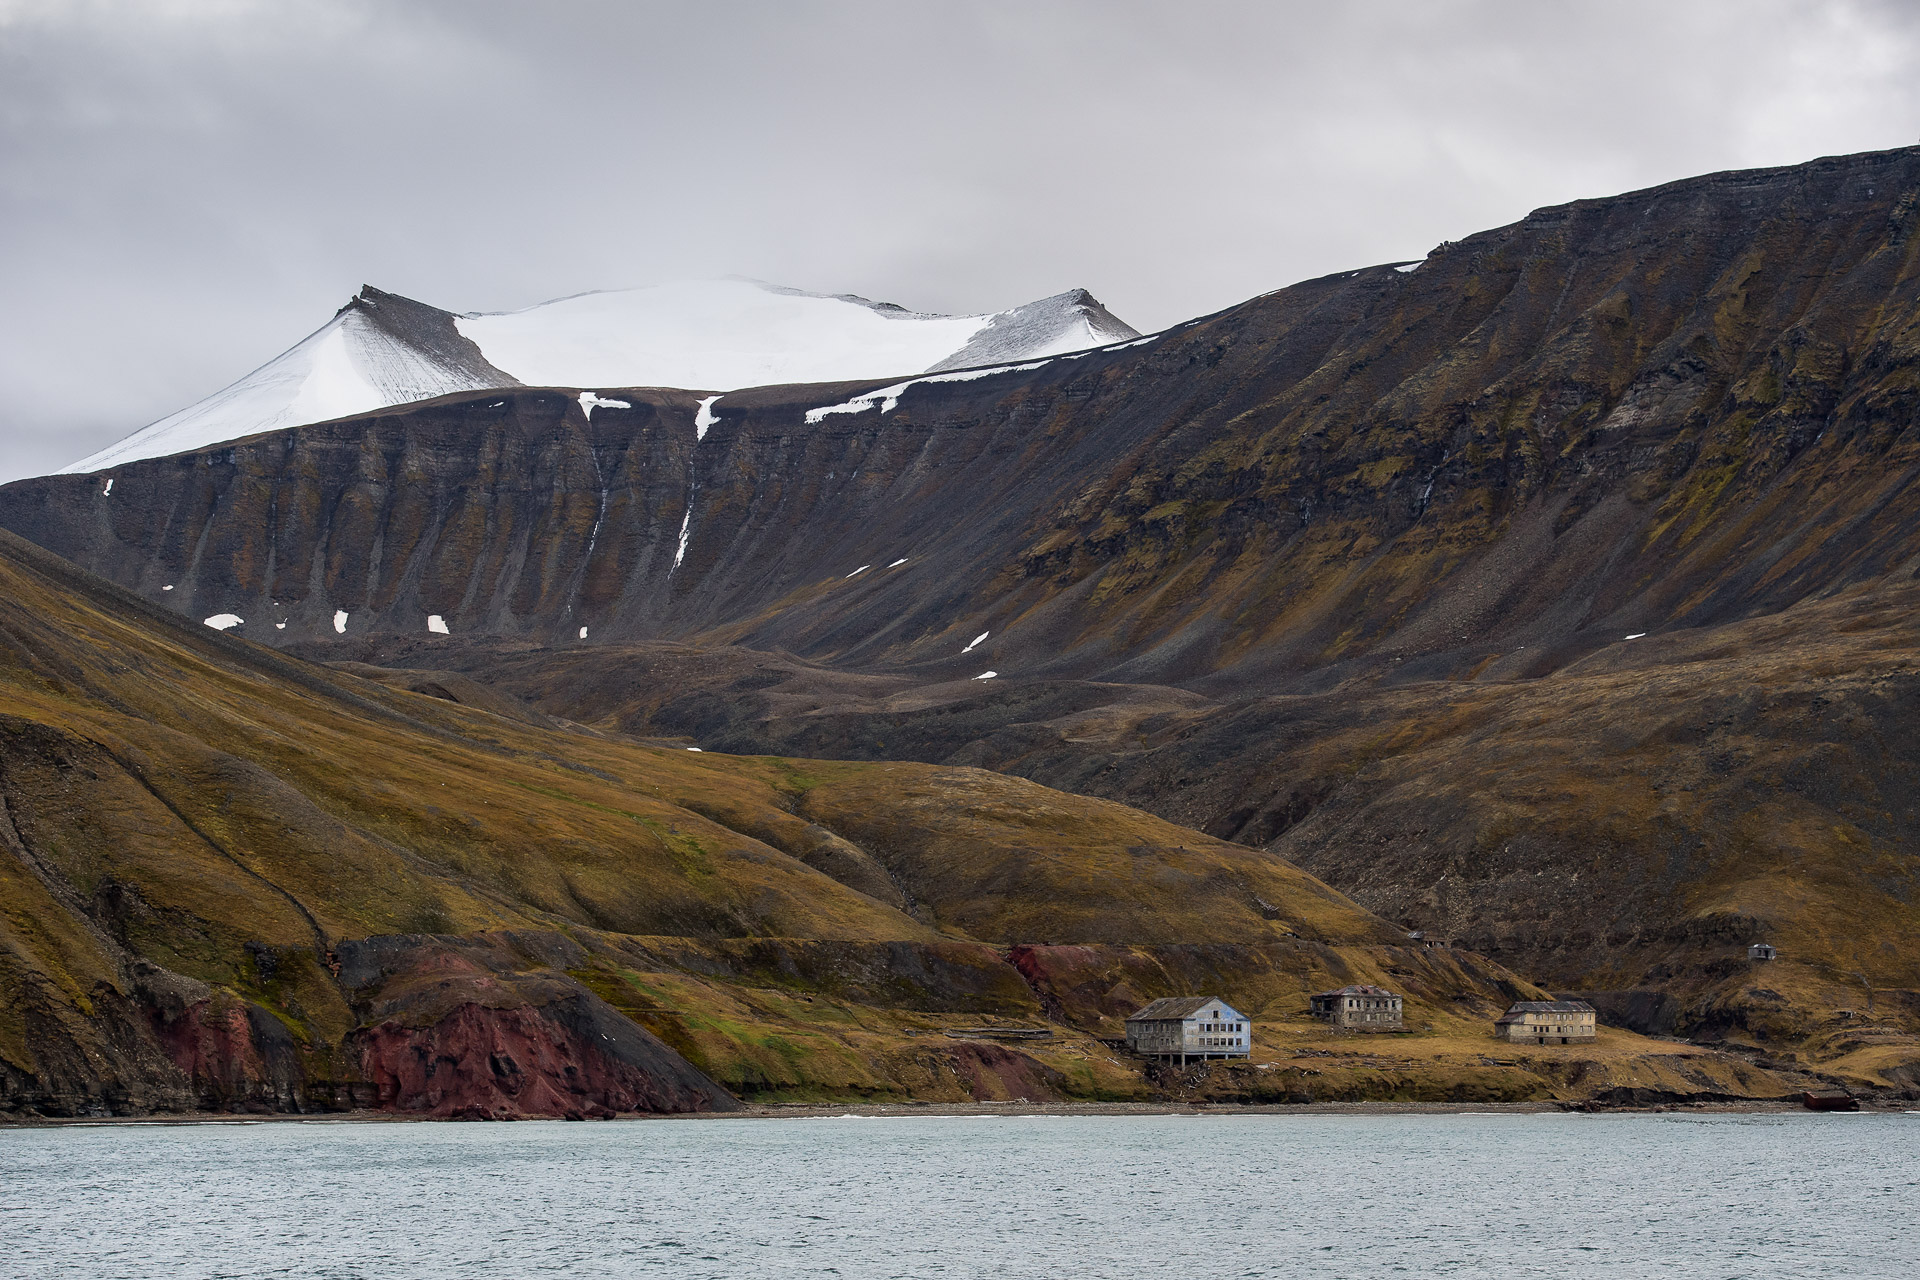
x,y
712,335
715,335
349,365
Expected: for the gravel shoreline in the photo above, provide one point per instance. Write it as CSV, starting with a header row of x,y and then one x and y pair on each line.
x,y
909,1109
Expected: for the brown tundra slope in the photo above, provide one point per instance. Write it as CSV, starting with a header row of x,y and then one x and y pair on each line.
x,y
1623,828
1344,571
233,880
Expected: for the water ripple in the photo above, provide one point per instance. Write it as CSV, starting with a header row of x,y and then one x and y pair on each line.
x,y
1139,1197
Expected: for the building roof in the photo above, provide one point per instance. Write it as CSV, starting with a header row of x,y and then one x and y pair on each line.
x,y
1517,1011
1174,1008
1363,989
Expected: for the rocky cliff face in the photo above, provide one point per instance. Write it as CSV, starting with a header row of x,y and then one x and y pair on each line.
x,y
1663,409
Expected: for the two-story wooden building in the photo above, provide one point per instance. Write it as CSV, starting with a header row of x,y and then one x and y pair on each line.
x,y
1186,1027
1546,1022
1363,1008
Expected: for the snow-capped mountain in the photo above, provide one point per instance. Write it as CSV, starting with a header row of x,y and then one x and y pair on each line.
x,y
716,335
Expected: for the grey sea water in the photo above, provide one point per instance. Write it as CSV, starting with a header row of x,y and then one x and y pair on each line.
x,y
1315,1195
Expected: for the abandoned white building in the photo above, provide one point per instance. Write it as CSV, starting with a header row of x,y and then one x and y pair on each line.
x,y
1183,1027
1546,1022
1761,951
1364,1008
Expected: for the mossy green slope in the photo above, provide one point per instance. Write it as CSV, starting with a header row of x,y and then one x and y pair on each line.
x,y
235,879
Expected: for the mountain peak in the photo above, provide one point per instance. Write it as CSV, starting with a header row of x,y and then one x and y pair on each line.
x,y
383,349
1070,321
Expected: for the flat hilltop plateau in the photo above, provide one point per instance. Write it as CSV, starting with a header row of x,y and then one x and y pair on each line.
x,y
1533,618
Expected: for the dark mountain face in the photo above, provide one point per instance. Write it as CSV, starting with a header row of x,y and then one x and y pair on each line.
x,y
1364,552
1664,409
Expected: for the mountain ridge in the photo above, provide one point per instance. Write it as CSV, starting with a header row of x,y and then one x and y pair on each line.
x,y
381,349
1511,455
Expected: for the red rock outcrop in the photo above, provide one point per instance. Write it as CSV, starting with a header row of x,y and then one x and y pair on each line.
x,y
490,1027
994,1073
480,1063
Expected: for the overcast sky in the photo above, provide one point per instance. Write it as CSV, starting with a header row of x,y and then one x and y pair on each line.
x,y
187,187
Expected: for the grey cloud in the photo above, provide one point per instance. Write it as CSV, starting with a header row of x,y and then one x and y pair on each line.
x,y
188,187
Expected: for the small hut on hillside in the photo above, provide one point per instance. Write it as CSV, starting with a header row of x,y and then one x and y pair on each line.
x,y
1185,1027
1761,951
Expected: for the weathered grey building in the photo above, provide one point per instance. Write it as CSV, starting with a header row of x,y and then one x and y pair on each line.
x,y
1546,1022
1363,1007
1761,951
1183,1027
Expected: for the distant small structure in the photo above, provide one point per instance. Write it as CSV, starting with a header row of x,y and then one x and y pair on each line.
x,y
1545,1021
1363,1008
1184,1027
1761,951
1829,1100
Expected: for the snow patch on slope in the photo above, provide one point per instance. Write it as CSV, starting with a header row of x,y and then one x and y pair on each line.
x,y
686,523
589,402
888,398
703,417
